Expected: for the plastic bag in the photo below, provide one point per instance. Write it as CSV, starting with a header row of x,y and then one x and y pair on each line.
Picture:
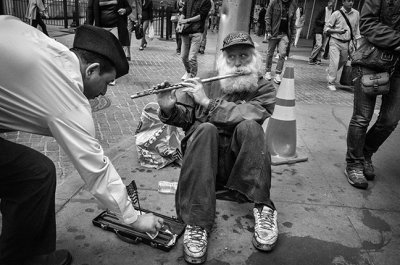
x,y
157,144
151,31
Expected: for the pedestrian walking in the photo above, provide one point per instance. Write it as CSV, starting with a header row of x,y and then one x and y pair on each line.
x,y
177,11
379,24
47,93
34,13
134,18
203,42
280,28
320,37
261,20
113,16
147,18
191,26
343,28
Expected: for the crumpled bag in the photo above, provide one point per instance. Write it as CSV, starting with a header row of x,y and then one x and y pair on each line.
x,y
157,144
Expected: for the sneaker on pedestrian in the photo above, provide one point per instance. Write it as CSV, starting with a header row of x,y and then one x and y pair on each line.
x,y
356,178
311,62
265,228
286,58
195,244
267,76
331,87
278,78
112,83
318,62
186,76
277,56
368,171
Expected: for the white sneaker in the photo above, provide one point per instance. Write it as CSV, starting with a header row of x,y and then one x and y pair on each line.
x,y
112,83
265,229
278,78
285,58
331,87
267,76
195,244
277,56
186,76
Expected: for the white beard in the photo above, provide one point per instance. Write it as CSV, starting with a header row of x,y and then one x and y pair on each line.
x,y
245,83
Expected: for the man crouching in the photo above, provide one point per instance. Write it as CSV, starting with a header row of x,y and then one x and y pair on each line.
x,y
224,147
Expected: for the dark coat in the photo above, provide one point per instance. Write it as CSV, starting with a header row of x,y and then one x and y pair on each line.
x,y
147,10
319,22
93,18
273,18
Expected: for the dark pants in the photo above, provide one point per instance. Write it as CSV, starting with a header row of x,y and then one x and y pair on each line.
x,y
27,193
239,162
39,21
361,143
178,39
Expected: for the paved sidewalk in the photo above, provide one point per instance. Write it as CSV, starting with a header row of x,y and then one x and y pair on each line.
x,y
322,219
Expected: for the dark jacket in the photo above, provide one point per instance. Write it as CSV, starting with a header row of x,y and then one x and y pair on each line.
x,y
147,10
261,16
93,18
273,18
380,23
227,111
193,8
319,22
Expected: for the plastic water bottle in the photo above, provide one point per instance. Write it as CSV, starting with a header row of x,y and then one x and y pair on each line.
x,y
167,187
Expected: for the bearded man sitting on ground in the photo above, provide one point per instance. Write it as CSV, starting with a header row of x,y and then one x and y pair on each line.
x,y
224,147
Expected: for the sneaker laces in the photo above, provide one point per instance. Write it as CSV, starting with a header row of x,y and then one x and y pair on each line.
x,y
356,173
265,218
197,235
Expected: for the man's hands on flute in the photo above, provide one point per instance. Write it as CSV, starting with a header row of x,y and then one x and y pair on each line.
x,y
166,99
148,223
194,88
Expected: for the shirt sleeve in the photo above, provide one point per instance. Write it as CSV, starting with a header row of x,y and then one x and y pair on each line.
x,y
74,132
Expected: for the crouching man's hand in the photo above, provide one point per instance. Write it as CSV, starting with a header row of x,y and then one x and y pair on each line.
x,y
148,223
195,89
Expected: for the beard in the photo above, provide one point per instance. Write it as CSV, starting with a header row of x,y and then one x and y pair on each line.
x,y
244,83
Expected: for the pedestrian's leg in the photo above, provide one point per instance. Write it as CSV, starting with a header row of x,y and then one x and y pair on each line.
x,y
195,40
298,32
145,27
282,46
363,109
388,119
42,25
131,28
248,163
195,196
27,193
334,54
316,48
203,42
185,52
272,43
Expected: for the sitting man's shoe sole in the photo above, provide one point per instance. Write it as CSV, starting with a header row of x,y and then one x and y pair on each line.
x,y
359,184
193,260
262,247
58,257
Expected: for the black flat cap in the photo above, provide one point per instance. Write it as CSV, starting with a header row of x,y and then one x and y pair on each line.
x,y
103,42
237,38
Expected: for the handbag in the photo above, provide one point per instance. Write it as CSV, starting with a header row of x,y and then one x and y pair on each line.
x,y
139,31
346,78
369,56
373,83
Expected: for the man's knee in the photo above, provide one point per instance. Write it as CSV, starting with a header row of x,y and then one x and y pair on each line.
x,y
250,128
207,128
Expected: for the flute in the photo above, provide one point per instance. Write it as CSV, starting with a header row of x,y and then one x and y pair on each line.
x,y
180,85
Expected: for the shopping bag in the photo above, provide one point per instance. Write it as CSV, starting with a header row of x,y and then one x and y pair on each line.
x,y
157,144
151,31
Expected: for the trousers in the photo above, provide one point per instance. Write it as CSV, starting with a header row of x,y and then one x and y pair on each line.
x,y
239,162
27,193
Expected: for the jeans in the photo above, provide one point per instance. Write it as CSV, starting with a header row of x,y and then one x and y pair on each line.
x,y
282,41
362,144
321,40
338,55
39,21
203,42
190,48
146,24
240,162
27,193
178,39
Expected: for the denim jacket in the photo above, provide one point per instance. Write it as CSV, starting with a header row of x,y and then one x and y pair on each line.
x,y
273,18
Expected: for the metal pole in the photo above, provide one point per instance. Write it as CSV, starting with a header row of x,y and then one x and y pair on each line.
x,y
311,19
235,16
65,14
76,13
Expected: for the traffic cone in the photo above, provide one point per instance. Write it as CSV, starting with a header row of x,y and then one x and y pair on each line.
x,y
280,134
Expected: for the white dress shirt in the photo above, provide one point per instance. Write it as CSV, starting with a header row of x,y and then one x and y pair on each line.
x,y
41,92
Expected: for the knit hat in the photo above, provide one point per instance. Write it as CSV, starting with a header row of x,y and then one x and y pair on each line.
x,y
237,38
103,42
